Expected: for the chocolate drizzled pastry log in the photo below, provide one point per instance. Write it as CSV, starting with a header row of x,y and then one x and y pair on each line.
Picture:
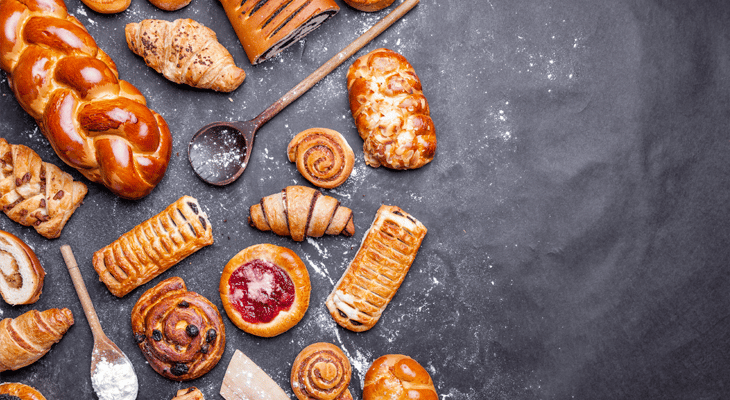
x,y
36,193
180,333
378,269
21,273
153,246
267,27
299,211
27,338
95,122
185,51
19,391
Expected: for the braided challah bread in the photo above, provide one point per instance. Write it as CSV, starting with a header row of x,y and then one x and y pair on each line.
x,y
95,122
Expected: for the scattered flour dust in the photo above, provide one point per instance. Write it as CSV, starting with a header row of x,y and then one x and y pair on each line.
x,y
114,381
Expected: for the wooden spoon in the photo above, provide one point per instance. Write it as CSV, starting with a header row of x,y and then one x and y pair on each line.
x,y
219,152
115,375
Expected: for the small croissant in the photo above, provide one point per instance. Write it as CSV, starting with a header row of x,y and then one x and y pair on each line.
x,y
185,51
26,339
300,211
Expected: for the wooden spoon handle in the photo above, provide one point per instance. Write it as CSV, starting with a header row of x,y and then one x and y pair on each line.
x,y
335,61
78,280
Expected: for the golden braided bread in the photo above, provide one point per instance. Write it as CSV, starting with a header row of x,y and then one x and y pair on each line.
x,y
36,193
95,122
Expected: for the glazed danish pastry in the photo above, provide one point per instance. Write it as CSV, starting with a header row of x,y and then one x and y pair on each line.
x,y
19,391
378,269
265,289
398,377
323,157
21,273
321,371
180,333
153,246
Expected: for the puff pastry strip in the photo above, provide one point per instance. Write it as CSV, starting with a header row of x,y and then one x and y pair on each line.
x,y
153,246
378,269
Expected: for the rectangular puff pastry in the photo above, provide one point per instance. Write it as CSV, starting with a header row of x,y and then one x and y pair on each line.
x,y
378,269
153,246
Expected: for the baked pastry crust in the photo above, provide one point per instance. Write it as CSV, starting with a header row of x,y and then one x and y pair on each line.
x,y
185,51
180,333
20,391
321,371
391,113
398,377
323,157
294,268
369,5
378,269
153,246
21,273
170,5
191,393
27,338
36,193
300,211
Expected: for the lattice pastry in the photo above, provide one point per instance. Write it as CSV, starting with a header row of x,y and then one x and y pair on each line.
x,y
153,246
36,193
378,269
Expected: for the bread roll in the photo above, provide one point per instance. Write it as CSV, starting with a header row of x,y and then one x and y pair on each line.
x,y
19,391
21,272
398,377
369,5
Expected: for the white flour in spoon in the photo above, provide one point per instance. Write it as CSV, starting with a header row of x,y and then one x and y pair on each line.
x,y
114,381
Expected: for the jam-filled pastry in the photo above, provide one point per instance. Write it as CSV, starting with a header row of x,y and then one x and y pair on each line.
x,y
321,372
265,289
378,269
153,246
323,157
398,377
19,391
300,211
180,333
27,338
191,393
21,273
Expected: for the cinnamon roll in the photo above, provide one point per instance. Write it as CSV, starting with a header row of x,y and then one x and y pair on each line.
x,y
321,372
180,333
323,157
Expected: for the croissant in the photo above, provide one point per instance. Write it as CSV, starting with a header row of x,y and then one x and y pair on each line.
x,y
21,271
25,339
95,122
36,193
185,51
299,211
19,391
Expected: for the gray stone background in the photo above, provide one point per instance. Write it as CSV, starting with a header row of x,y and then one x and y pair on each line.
x,y
577,206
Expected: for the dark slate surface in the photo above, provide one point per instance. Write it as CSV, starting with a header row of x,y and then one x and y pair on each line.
x,y
577,206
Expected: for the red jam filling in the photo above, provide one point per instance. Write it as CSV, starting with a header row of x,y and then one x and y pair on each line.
x,y
259,289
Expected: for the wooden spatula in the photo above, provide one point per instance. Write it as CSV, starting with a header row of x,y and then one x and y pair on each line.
x,y
244,380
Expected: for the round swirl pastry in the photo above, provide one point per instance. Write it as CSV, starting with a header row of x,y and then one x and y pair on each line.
x,y
323,157
398,377
265,289
321,372
22,274
19,391
180,333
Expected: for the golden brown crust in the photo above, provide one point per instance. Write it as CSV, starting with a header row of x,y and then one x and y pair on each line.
x,y
191,393
294,268
321,371
185,51
323,157
373,277
369,5
21,278
36,193
95,122
267,28
108,6
390,111
180,333
300,211
29,337
170,5
153,246
398,377
21,391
